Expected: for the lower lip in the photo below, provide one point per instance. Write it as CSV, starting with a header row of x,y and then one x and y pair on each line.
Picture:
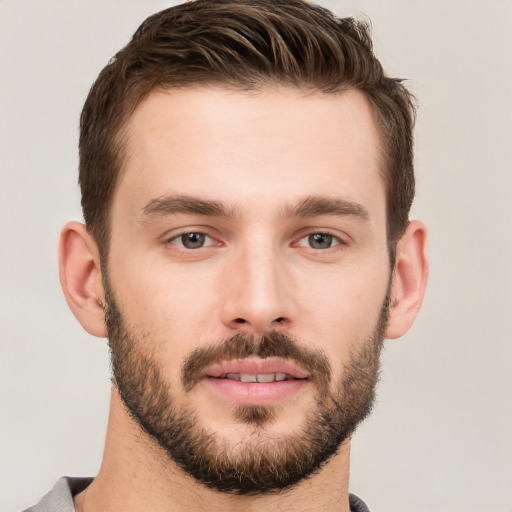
x,y
255,393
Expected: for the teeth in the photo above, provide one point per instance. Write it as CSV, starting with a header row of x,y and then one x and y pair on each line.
x,y
265,377
248,377
261,377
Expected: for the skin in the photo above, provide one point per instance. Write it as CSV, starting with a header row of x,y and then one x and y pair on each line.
x,y
260,155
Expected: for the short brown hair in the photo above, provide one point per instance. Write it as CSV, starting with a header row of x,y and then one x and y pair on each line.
x,y
242,44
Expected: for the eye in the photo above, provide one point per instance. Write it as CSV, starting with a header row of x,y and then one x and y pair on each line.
x,y
319,241
192,240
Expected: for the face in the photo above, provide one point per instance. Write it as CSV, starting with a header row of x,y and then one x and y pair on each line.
x,y
248,278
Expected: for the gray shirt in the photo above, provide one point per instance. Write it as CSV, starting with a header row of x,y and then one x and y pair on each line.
x,y
60,498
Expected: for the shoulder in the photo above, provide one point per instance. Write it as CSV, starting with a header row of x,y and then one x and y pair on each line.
x,y
60,498
357,504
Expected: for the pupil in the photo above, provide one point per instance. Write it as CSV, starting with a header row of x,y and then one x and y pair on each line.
x,y
193,240
320,241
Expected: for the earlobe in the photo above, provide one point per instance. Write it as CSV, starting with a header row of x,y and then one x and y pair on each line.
x,y
80,277
409,280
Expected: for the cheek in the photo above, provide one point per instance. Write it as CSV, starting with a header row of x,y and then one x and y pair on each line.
x,y
341,311
171,304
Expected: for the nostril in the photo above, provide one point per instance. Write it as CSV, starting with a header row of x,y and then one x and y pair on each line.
x,y
279,320
240,321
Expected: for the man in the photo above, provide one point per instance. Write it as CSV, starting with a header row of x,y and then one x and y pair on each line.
x,y
246,175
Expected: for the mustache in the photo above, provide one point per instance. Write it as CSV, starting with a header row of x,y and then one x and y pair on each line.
x,y
269,344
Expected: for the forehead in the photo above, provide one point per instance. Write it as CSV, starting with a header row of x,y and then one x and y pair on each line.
x,y
240,146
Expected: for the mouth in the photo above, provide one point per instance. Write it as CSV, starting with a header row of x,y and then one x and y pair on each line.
x,y
254,381
256,377
253,369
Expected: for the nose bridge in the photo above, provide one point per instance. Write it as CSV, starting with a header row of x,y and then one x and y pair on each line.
x,y
259,296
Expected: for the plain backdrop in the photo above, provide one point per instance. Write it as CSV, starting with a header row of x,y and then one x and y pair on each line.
x,y
440,438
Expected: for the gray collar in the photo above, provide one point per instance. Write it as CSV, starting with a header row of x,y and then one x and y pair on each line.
x,y
61,497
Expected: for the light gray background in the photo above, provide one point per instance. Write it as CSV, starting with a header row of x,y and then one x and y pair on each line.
x,y
440,438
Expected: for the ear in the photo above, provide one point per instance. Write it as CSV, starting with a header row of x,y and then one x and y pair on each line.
x,y
409,280
80,277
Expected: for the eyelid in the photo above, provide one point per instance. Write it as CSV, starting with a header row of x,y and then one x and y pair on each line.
x,y
177,240
341,238
336,241
176,235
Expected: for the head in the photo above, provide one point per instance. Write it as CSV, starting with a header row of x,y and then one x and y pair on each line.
x,y
248,46
246,174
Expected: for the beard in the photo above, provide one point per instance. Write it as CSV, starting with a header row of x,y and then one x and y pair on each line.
x,y
262,463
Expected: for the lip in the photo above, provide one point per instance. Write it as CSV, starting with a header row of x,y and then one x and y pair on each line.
x,y
254,393
255,366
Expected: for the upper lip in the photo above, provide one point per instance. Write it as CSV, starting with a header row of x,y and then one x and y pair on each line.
x,y
255,366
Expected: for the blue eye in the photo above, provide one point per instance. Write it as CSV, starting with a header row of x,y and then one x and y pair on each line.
x,y
319,241
192,240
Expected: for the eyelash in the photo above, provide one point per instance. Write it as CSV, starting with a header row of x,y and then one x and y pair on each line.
x,y
310,237
182,246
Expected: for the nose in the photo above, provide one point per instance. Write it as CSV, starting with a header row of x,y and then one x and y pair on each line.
x,y
258,292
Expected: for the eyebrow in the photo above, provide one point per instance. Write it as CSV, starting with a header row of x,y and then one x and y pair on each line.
x,y
175,204
313,206
318,205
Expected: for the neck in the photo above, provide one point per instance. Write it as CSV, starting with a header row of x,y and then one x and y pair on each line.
x,y
136,475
